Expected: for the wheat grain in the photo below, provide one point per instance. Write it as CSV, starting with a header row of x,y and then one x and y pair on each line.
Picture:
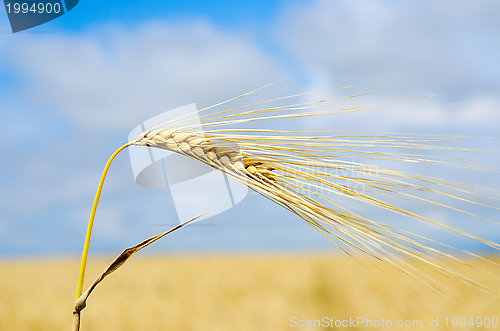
x,y
195,145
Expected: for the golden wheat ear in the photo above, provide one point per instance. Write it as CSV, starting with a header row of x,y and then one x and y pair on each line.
x,y
305,173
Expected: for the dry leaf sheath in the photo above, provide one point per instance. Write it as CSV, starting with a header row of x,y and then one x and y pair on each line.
x,y
81,302
312,173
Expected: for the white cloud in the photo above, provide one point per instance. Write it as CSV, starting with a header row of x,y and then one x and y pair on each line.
x,y
419,47
481,109
113,77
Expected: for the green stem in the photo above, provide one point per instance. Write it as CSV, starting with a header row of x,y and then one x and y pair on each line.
x,y
83,262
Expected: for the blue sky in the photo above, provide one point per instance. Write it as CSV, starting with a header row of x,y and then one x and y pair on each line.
x,y
71,90
226,14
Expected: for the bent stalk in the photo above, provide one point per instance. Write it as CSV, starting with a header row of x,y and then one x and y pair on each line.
x,y
85,251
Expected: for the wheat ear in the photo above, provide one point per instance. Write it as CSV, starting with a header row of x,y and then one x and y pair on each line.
x,y
278,164
289,167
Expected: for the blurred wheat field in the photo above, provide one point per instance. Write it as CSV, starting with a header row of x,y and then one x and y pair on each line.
x,y
237,292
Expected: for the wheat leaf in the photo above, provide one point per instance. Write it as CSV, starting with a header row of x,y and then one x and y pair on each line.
x,y
120,260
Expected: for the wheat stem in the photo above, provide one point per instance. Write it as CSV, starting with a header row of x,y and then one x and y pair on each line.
x,y
85,251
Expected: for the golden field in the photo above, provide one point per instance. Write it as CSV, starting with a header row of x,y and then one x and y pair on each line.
x,y
239,292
